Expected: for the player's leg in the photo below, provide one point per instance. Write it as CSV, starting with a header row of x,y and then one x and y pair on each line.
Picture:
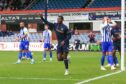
x,y
115,59
45,50
103,56
29,53
114,53
103,61
59,53
23,56
44,54
109,51
60,56
119,49
50,51
19,57
20,53
65,54
65,59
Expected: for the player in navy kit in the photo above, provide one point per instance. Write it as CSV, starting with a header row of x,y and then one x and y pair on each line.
x,y
116,31
63,36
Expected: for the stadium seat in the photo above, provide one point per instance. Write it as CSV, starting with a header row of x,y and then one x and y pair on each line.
x,y
63,4
59,4
105,3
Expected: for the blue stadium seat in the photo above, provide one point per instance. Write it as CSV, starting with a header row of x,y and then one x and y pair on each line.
x,y
60,4
105,3
63,4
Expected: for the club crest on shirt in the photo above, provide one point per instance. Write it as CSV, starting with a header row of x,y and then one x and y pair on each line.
x,y
60,30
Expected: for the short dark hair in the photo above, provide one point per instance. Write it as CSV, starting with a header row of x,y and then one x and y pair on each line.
x,y
61,17
22,22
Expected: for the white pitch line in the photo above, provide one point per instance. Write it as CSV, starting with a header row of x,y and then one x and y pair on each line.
x,y
23,78
99,77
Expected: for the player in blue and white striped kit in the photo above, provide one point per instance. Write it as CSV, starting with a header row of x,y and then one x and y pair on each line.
x,y
47,39
24,43
107,45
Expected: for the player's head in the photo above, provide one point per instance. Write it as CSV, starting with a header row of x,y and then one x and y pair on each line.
x,y
22,24
109,20
60,19
105,19
46,26
29,26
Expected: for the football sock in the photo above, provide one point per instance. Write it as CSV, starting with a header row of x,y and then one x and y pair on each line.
x,y
116,60
29,54
110,59
20,55
24,54
50,54
102,60
44,54
66,63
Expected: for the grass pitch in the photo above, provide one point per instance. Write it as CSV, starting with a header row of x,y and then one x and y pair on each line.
x,y
84,65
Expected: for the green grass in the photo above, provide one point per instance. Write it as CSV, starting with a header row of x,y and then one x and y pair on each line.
x,y
84,65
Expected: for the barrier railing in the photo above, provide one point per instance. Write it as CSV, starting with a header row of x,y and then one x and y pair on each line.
x,y
60,11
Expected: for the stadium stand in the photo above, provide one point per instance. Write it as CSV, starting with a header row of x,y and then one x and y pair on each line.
x,y
60,4
14,4
2,34
63,4
56,4
105,3
36,37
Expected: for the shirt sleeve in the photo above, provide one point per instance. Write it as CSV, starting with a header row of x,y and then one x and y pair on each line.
x,y
25,31
43,34
68,35
50,33
113,23
103,24
47,22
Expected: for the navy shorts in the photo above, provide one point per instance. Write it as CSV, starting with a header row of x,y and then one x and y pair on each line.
x,y
116,47
61,49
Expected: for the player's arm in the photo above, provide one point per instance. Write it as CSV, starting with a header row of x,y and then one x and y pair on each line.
x,y
105,23
69,33
25,33
50,37
18,38
42,40
21,37
45,21
112,23
68,36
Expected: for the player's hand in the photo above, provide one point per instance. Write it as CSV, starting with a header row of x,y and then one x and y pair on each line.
x,y
40,40
118,37
17,39
98,42
113,39
51,45
109,20
106,18
62,43
39,14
